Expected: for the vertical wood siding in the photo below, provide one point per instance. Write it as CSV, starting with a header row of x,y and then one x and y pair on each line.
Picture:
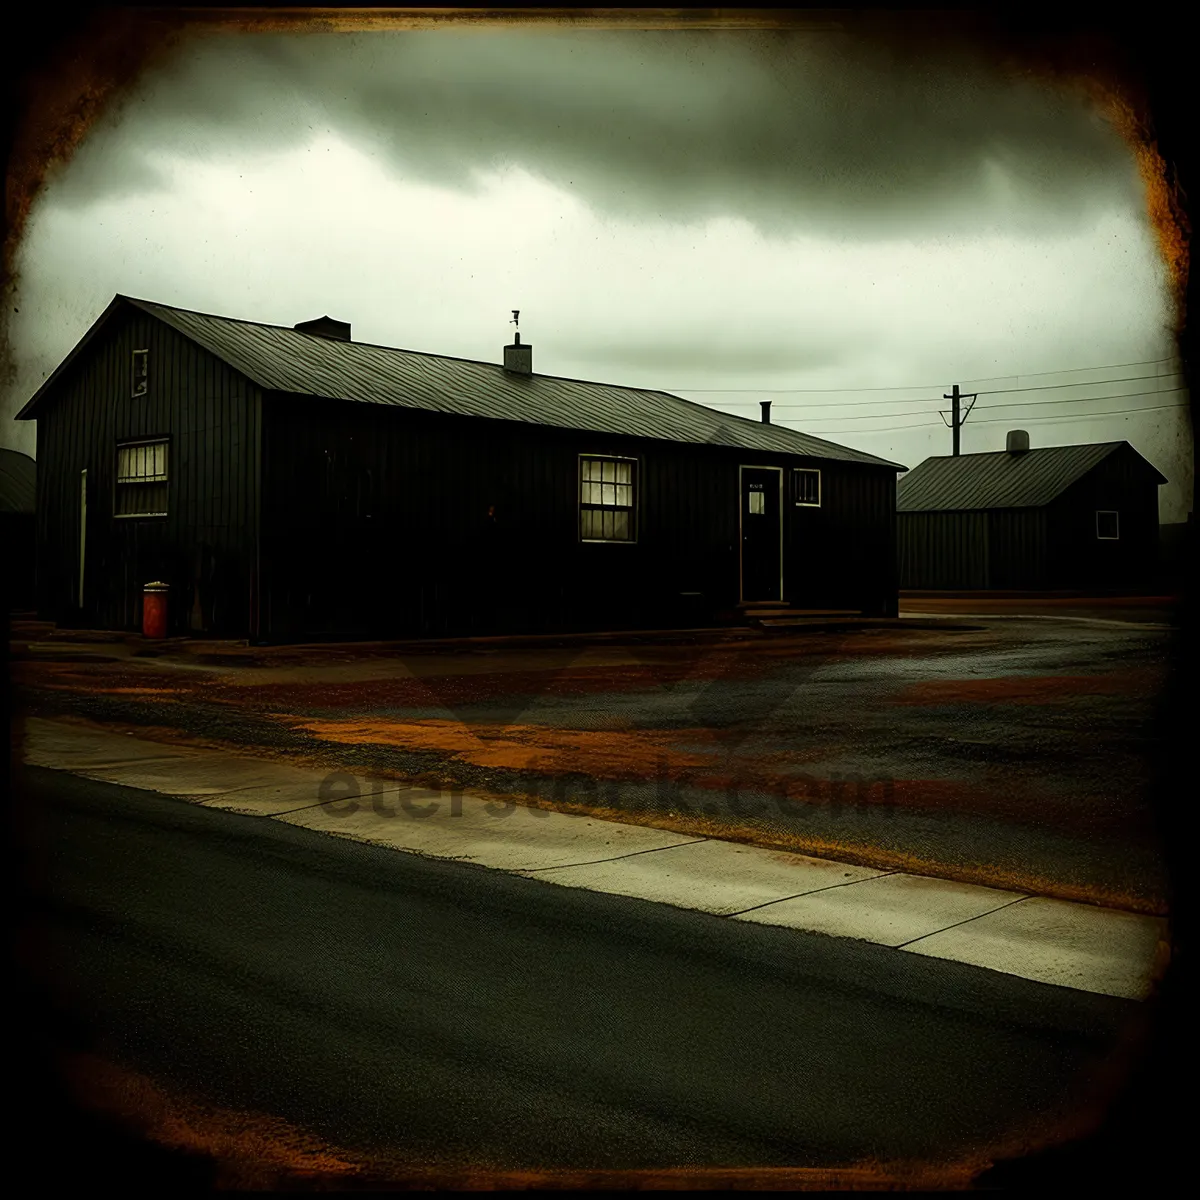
x,y
943,550
375,523
203,547
1122,484
1050,548
375,520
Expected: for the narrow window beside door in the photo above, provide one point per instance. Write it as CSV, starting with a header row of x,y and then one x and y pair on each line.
x,y
1107,526
807,486
607,503
142,479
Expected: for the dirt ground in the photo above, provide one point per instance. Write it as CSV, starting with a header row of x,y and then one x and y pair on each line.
x,y
1014,750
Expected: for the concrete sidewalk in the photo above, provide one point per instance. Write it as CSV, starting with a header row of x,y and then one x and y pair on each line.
x,y
1052,941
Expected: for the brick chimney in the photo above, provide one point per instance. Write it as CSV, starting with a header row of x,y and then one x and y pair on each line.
x,y
765,405
518,358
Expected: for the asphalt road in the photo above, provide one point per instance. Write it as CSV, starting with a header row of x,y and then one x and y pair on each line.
x,y
431,1013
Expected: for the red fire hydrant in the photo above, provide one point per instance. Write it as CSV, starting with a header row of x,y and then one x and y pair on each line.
x,y
154,610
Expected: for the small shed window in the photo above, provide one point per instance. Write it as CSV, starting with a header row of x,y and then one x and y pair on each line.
x,y
142,479
806,484
1107,526
607,502
140,373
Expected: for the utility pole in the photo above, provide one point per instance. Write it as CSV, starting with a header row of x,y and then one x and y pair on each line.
x,y
957,416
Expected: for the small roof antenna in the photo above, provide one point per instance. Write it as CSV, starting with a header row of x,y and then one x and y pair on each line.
x,y
516,312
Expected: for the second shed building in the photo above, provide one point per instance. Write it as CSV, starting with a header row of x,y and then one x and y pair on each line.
x,y
1054,518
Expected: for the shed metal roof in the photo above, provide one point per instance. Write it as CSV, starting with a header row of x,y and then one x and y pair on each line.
x,y
18,482
281,359
998,479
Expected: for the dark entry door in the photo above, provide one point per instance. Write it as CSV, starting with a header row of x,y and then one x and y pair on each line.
x,y
760,523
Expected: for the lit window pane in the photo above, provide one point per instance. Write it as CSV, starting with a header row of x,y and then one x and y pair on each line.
x,y
758,502
143,462
606,486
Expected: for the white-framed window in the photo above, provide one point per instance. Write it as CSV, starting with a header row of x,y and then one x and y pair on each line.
x,y
142,479
139,373
806,487
1108,525
607,498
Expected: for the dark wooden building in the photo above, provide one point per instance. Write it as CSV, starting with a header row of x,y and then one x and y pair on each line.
x,y
1058,518
18,492
291,483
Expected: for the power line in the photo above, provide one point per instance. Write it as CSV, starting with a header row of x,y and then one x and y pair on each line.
x,y
1045,387
998,392
1110,412
916,387
882,429
1004,420
1009,404
1145,362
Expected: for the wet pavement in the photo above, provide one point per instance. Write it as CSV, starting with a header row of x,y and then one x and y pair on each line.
x,y
1010,751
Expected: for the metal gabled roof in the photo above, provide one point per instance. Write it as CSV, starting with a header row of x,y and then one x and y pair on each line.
x,y
999,479
281,359
18,482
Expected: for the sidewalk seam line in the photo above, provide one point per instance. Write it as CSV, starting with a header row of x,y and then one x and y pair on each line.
x,y
615,858
813,891
967,921
316,803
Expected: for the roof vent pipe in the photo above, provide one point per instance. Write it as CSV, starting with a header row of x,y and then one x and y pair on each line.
x,y
1018,441
765,405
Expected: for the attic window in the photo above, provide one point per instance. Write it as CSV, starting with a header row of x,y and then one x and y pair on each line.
x,y
607,508
1107,526
140,373
142,479
806,484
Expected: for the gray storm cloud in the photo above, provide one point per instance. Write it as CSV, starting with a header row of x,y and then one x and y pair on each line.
x,y
791,133
713,351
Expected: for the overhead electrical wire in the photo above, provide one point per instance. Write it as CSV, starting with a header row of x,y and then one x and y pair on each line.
x,y
1008,404
1108,412
916,387
1004,420
995,392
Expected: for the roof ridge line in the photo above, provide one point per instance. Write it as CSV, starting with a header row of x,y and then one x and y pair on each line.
x,y
795,442
478,362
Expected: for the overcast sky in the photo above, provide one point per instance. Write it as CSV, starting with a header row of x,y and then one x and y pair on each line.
x,y
732,216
